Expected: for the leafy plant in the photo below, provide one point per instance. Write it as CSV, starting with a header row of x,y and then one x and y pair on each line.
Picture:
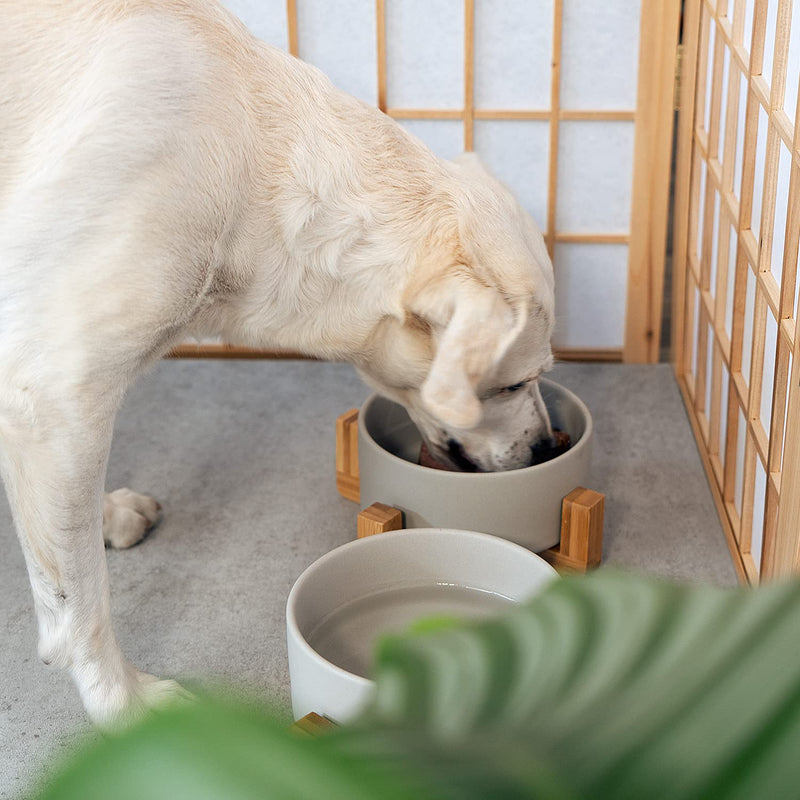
x,y
607,686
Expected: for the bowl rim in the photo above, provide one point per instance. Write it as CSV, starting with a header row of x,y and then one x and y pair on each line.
x,y
573,452
293,628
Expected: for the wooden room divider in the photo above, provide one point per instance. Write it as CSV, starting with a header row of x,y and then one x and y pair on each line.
x,y
735,304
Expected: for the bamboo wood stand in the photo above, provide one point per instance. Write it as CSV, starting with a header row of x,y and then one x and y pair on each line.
x,y
312,725
581,545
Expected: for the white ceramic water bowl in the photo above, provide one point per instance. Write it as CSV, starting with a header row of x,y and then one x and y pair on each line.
x,y
346,597
523,505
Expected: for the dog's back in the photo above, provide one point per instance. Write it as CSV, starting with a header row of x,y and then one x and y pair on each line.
x,y
81,79
111,115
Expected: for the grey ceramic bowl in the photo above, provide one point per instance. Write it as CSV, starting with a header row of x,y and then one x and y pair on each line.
x,y
522,505
367,571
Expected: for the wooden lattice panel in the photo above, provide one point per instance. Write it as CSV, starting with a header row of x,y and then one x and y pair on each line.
x,y
735,331
569,102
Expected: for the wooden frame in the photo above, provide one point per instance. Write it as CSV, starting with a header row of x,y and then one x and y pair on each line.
x,y
721,320
658,52
219,350
652,118
579,549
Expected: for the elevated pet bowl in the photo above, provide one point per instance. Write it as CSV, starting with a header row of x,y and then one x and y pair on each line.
x,y
522,505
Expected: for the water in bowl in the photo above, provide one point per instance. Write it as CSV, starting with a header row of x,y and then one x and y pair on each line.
x,y
346,636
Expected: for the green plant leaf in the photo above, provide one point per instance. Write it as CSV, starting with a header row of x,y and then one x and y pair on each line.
x,y
605,687
210,750
624,687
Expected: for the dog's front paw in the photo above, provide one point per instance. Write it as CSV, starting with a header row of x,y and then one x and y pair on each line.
x,y
127,517
156,693
116,707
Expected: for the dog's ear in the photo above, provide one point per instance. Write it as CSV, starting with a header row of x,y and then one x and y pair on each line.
x,y
480,329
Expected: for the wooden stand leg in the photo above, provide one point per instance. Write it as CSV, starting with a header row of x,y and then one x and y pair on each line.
x,y
378,518
581,545
312,725
347,481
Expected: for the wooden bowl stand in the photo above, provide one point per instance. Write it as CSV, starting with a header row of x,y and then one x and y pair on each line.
x,y
581,545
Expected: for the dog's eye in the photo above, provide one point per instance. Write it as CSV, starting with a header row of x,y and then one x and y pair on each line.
x,y
506,391
514,388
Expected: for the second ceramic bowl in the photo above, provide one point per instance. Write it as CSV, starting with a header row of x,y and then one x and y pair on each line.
x,y
348,598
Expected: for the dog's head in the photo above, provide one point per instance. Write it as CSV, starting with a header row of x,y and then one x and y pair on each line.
x,y
465,355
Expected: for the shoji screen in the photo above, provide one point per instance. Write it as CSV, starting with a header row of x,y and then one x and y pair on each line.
x,y
569,102
736,246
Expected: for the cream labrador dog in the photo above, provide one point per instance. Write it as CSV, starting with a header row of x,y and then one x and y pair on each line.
x,y
164,174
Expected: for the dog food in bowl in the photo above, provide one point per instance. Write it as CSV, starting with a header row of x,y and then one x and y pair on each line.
x,y
546,451
427,459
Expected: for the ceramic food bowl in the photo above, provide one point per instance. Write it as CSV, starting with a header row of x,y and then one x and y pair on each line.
x,y
523,505
345,600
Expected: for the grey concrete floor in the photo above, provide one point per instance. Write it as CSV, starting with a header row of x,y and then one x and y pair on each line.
x,y
241,454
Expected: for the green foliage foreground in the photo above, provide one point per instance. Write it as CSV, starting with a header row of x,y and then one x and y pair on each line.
x,y
607,686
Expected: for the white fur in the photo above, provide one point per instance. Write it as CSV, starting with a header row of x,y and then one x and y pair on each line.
x,y
164,174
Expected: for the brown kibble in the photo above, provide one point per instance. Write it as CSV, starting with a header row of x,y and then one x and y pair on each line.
x,y
541,453
426,459
547,452
562,440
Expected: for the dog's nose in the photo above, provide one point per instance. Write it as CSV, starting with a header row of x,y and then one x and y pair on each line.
x,y
546,449
456,452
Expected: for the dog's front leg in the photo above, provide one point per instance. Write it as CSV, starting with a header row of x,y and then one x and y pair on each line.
x,y
53,461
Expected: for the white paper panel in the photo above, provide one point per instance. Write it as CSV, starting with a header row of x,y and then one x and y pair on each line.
x,y
595,177
591,283
265,18
769,40
786,412
761,158
712,37
709,373
740,125
781,209
732,245
734,14
444,136
700,207
340,39
793,66
425,53
513,52
747,340
738,484
600,53
723,110
695,325
797,287
714,246
517,153
759,501
768,379
723,419
749,11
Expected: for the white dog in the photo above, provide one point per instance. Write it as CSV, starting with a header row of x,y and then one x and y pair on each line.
x,y
164,174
